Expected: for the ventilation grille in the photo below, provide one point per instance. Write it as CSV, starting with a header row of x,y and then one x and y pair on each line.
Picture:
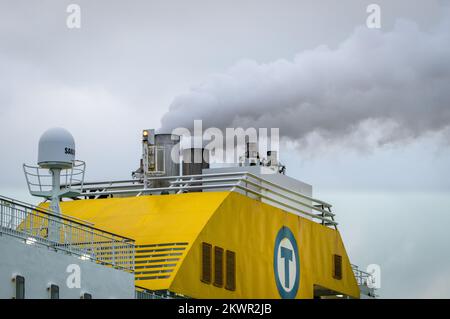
x,y
206,263
231,270
337,267
218,267
214,265
157,261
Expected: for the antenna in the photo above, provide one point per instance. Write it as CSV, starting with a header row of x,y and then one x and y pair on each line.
x,y
56,163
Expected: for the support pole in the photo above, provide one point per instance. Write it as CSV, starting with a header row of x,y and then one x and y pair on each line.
x,y
54,228
145,163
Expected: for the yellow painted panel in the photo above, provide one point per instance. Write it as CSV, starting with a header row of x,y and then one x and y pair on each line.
x,y
249,228
229,220
150,220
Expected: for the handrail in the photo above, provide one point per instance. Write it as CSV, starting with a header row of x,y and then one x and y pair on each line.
x,y
291,191
243,181
55,215
267,189
294,200
362,277
36,226
144,293
42,209
40,183
134,181
331,222
218,186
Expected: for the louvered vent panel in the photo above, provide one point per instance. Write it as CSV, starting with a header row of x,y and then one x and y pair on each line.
x,y
157,261
218,267
230,282
337,267
206,263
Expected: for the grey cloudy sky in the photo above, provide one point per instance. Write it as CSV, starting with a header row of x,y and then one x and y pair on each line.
x,y
132,60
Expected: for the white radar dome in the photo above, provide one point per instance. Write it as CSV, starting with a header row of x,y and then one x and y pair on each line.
x,y
56,149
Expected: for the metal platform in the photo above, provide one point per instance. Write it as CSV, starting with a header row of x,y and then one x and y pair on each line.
x,y
40,180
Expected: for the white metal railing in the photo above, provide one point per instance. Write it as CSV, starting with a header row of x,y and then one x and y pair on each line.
x,y
39,180
363,278
143,293
366,282
32,224
243,182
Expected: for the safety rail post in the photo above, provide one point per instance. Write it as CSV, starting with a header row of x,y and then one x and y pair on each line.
x,y
10,218
92,245
14,219
114,253
69,237
1,217
133,257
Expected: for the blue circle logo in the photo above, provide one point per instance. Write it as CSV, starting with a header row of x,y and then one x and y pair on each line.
x,y
286,263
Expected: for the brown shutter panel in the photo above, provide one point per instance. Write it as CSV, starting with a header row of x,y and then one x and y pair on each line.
x,y
337,267
206,262
218,267
230,283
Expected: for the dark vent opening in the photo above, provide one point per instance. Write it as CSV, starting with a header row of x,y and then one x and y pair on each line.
x,y
337,267
230,271
206,262
86,296
54,292
218,267
20,287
